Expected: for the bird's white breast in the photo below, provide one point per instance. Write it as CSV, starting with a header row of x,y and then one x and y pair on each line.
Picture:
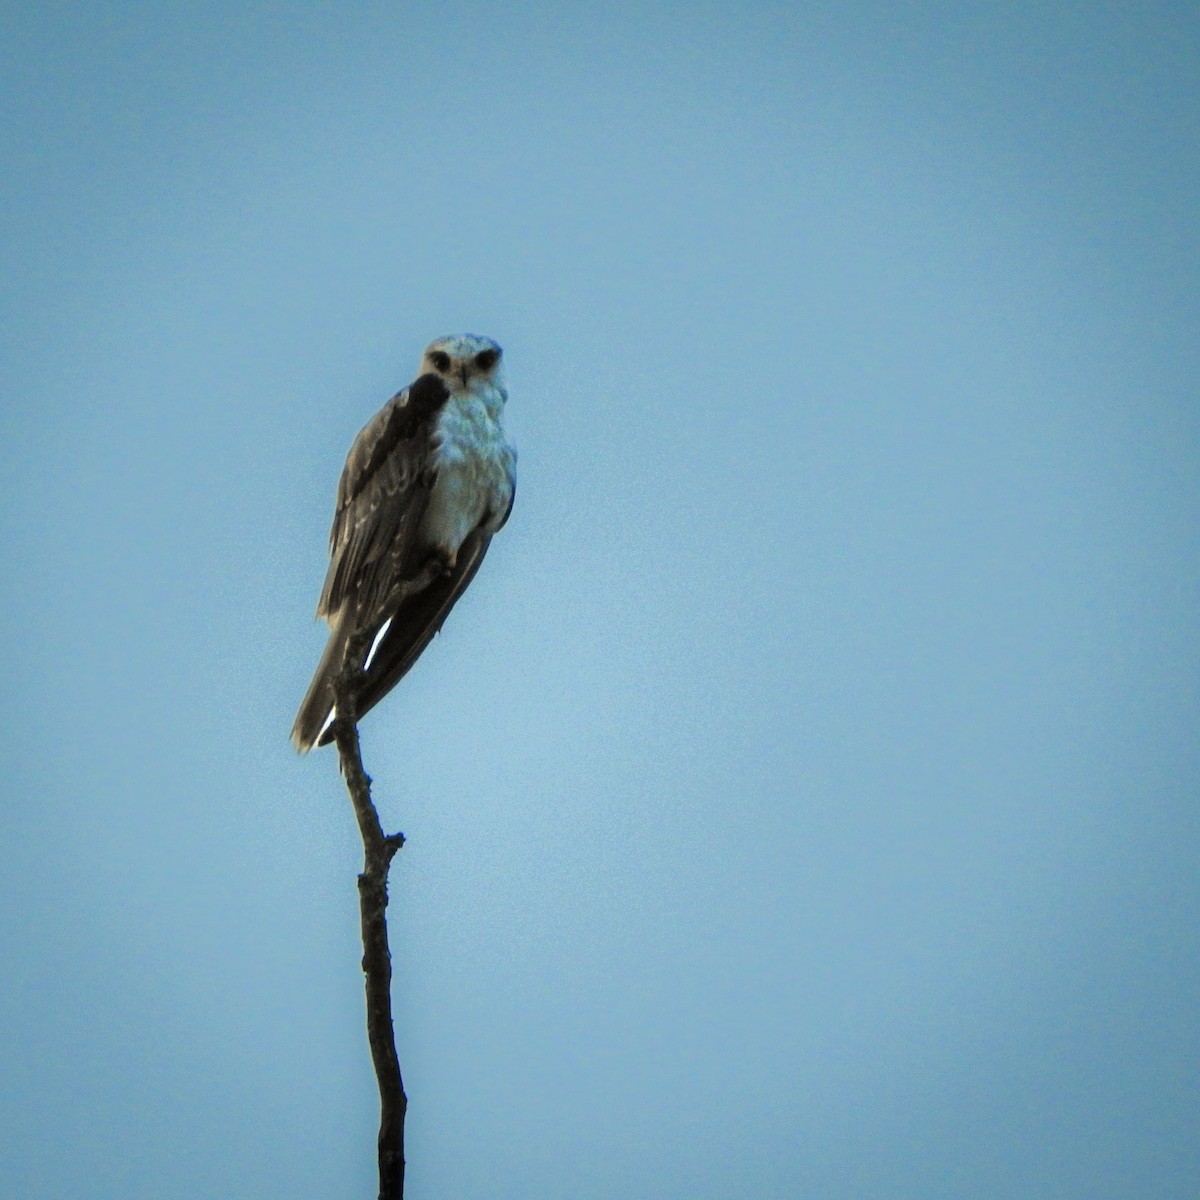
x,y
475,467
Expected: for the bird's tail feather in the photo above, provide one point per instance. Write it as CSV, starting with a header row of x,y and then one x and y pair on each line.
x,y
317,705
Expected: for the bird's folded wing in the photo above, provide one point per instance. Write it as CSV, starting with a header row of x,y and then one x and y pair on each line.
x,y
381,499
414,624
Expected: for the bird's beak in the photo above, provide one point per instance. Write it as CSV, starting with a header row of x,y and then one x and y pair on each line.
x,y
463,372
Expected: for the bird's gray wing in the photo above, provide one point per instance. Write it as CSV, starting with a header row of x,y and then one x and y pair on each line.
x,y
381,501
382,497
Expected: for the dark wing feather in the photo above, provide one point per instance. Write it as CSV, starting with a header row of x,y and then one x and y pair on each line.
x,y
381,499
414,624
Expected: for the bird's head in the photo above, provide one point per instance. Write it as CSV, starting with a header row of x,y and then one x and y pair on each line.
x,y
463,361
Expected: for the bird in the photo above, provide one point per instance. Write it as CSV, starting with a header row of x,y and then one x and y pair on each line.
x,y
427,483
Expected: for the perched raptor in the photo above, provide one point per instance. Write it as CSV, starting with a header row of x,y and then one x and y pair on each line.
x,y
426,485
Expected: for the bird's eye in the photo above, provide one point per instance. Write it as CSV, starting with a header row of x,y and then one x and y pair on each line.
x,y
440,360
486,359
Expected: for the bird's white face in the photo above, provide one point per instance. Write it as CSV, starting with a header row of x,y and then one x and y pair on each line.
x,y
464,361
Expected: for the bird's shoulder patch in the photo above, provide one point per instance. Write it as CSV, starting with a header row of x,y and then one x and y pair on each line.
x,y
402,419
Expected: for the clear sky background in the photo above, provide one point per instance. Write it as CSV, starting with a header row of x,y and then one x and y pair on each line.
x,y
804,799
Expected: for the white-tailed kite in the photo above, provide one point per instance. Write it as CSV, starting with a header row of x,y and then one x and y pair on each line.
x,y
426,485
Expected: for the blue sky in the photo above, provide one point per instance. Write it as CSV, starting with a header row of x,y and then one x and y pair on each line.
x,y
803,801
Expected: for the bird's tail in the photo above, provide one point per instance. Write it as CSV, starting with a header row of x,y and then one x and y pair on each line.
x,y
317,706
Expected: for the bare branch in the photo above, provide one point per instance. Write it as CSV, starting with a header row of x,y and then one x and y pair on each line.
x,y
378,851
